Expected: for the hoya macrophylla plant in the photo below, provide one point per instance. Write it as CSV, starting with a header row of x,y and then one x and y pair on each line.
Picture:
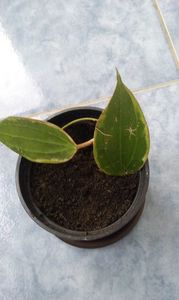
x,y
120,143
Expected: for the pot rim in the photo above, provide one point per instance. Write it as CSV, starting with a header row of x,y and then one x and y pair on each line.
x,y
84,235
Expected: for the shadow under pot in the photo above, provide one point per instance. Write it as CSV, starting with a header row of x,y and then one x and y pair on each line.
x,y
75,200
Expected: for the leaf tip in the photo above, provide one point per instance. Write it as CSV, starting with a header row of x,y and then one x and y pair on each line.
x,y
119,80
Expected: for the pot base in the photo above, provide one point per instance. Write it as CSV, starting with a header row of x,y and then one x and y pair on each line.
x,y
110,239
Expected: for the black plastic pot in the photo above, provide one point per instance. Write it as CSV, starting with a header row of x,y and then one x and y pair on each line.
x,y
92,239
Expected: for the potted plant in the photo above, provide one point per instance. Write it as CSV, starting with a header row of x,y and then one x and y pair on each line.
x,y
83,174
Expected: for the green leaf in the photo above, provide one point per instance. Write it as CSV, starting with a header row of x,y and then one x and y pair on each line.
x,y
37,141
121,137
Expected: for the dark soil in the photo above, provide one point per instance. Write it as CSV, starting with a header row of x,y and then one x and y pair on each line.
x,y
76,195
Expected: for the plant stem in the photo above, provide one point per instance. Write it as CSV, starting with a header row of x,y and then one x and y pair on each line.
x,y
79,120
85,144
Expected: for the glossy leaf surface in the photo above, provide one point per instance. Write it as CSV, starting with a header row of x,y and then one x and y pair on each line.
x,y
36,140
121,138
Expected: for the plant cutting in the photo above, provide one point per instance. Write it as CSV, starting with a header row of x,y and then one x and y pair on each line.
x,y
83,174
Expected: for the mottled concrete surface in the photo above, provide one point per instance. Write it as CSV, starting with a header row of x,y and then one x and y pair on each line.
x,y
60,53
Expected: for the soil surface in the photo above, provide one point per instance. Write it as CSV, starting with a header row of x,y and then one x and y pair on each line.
x,y
76,194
